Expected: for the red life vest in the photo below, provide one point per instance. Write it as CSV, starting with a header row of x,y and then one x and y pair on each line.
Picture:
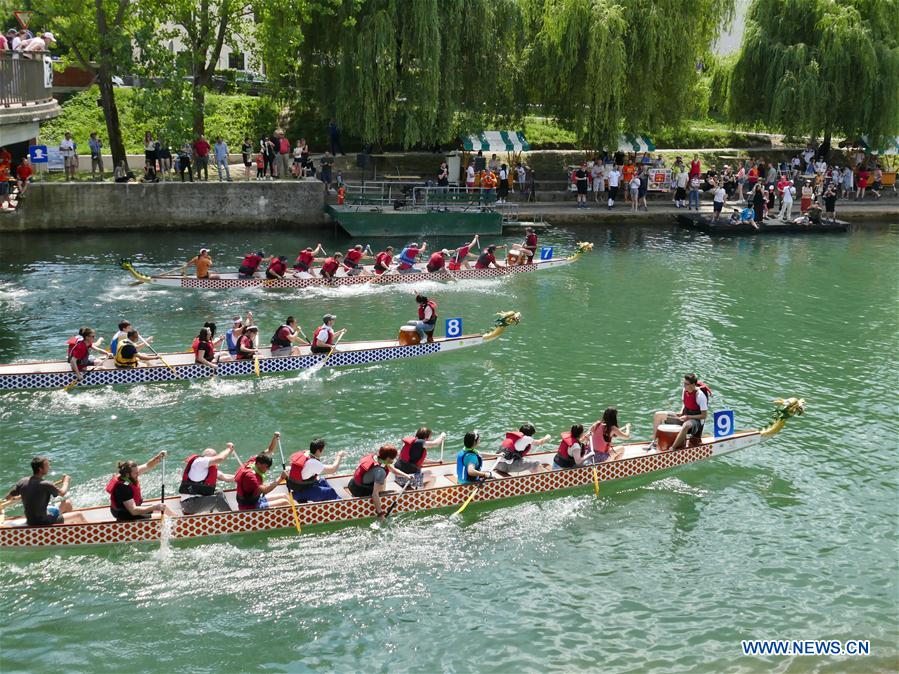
x,y
530,241
135,492
281,338
690,404
278,266
208,348
368,462
563,456
246,496
330,267
295,477
421,311
484,260
382,262
458,258
305,260
406,451
436,262
78,348
250,264
205,487
318,331
509,444
352,257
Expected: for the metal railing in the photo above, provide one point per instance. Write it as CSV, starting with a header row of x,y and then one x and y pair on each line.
x,y
23,79
397,195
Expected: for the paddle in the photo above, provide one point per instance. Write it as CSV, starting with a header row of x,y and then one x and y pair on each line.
x,y
293,506
442,442
469,499
156,353
320,364
165,273
595,472
162,497
396,500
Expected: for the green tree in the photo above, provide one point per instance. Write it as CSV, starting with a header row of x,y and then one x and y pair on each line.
x,y
98,35
820,67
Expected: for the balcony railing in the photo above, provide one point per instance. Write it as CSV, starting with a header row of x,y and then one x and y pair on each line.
x,y
25,79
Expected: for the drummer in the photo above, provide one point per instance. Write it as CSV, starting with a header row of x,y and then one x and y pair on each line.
x,y
692,414
36,493
203,262
427,318
530,243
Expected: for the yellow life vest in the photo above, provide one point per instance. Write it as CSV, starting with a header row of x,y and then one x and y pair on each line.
x,y
121,360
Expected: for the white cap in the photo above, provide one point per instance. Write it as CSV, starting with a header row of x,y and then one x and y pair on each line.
x,y
49,36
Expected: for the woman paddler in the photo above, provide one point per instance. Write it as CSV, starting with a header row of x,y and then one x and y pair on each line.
x,y
515,447
125,499
78,353
602,433
252,492
572,450
469,461
371,474
413,455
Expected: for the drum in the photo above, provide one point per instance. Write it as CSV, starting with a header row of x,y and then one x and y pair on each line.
x,y
408,336
513,258
667,434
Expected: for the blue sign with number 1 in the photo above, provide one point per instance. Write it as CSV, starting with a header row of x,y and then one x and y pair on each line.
x,y
453,327
724,423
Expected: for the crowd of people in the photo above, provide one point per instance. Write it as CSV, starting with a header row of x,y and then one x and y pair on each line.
x,y
23,41
305,475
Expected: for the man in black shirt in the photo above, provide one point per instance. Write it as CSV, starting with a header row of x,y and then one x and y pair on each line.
x,y
36,493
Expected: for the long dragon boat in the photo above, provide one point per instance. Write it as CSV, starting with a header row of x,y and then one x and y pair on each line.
x,y
227,280
638,459
56,374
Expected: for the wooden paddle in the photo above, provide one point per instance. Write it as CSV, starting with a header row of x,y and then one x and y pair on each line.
x,y
156,353
293,506
469,499
396,500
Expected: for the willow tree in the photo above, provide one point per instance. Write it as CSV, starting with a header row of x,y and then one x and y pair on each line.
x,y
400,71
605,66
820,67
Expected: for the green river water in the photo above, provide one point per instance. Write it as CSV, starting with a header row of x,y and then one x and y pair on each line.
x,y
795,539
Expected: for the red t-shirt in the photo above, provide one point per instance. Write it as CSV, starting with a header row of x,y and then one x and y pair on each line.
x,y
201,147
24,171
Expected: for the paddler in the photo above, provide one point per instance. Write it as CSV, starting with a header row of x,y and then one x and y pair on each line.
x,y
79,348
437,261
324,338
693,412
408,256
427,318
530,243
124,328
331,265
125,499
204,348
200,479
572,450
286,336
352,261
252,492
250,264
371,475
413,455
203,263
234,333
126,355
469,461
487,258
277,267
383,260
461,255
306,470
246,345
515,447
603,432
36,493
306,259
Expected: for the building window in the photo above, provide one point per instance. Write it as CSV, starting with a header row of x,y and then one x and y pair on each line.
x,y
236,60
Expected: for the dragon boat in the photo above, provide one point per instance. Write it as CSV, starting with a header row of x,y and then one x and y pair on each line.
x,y
707,225
294,279
56,374
637,459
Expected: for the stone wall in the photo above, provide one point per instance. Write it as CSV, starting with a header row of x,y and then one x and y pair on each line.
x,y
110,206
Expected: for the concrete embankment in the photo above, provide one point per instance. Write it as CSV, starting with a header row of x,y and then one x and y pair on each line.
x,y
110,206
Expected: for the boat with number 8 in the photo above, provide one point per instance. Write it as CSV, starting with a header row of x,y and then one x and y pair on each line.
x,y
57,374
637,459
226,280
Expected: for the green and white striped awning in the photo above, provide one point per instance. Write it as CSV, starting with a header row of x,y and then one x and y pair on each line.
x,y
628,142
496,141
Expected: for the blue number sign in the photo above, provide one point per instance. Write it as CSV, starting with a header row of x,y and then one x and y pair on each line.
x,y
38,154
453,327
724,423
546,253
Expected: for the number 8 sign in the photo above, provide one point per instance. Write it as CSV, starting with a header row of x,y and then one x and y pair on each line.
x,y
453,327
724,423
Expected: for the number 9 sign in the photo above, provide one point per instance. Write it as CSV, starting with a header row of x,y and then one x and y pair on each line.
x,y
453,327
724,423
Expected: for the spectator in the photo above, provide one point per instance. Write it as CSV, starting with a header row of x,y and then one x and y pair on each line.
x,y
67,150
164,156
201,153
19,37
149,150
3,45
334,137
298,159
634,187
121,174
786,201
469,176
502,185
283,148
520,178
830,202
614,177
40,43
260,166
597,179
304,155
644,187
493,164
480,164
861,183
680,187
580,181
443,176
246,150
267,148
806,200
150,175
24,171
96,148
327,164
184,162
718,202
877,182
848,177
5,168
221,158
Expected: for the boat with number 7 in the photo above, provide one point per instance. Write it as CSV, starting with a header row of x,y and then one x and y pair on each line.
x,y
300,279
636,459
57,374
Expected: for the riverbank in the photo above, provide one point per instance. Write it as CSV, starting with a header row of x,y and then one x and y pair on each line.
x,y
301,204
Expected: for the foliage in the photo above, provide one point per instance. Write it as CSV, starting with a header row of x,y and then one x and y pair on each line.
x,y
232,117
818,66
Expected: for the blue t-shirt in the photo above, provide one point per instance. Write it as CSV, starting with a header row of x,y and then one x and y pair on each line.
x,y
464,459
